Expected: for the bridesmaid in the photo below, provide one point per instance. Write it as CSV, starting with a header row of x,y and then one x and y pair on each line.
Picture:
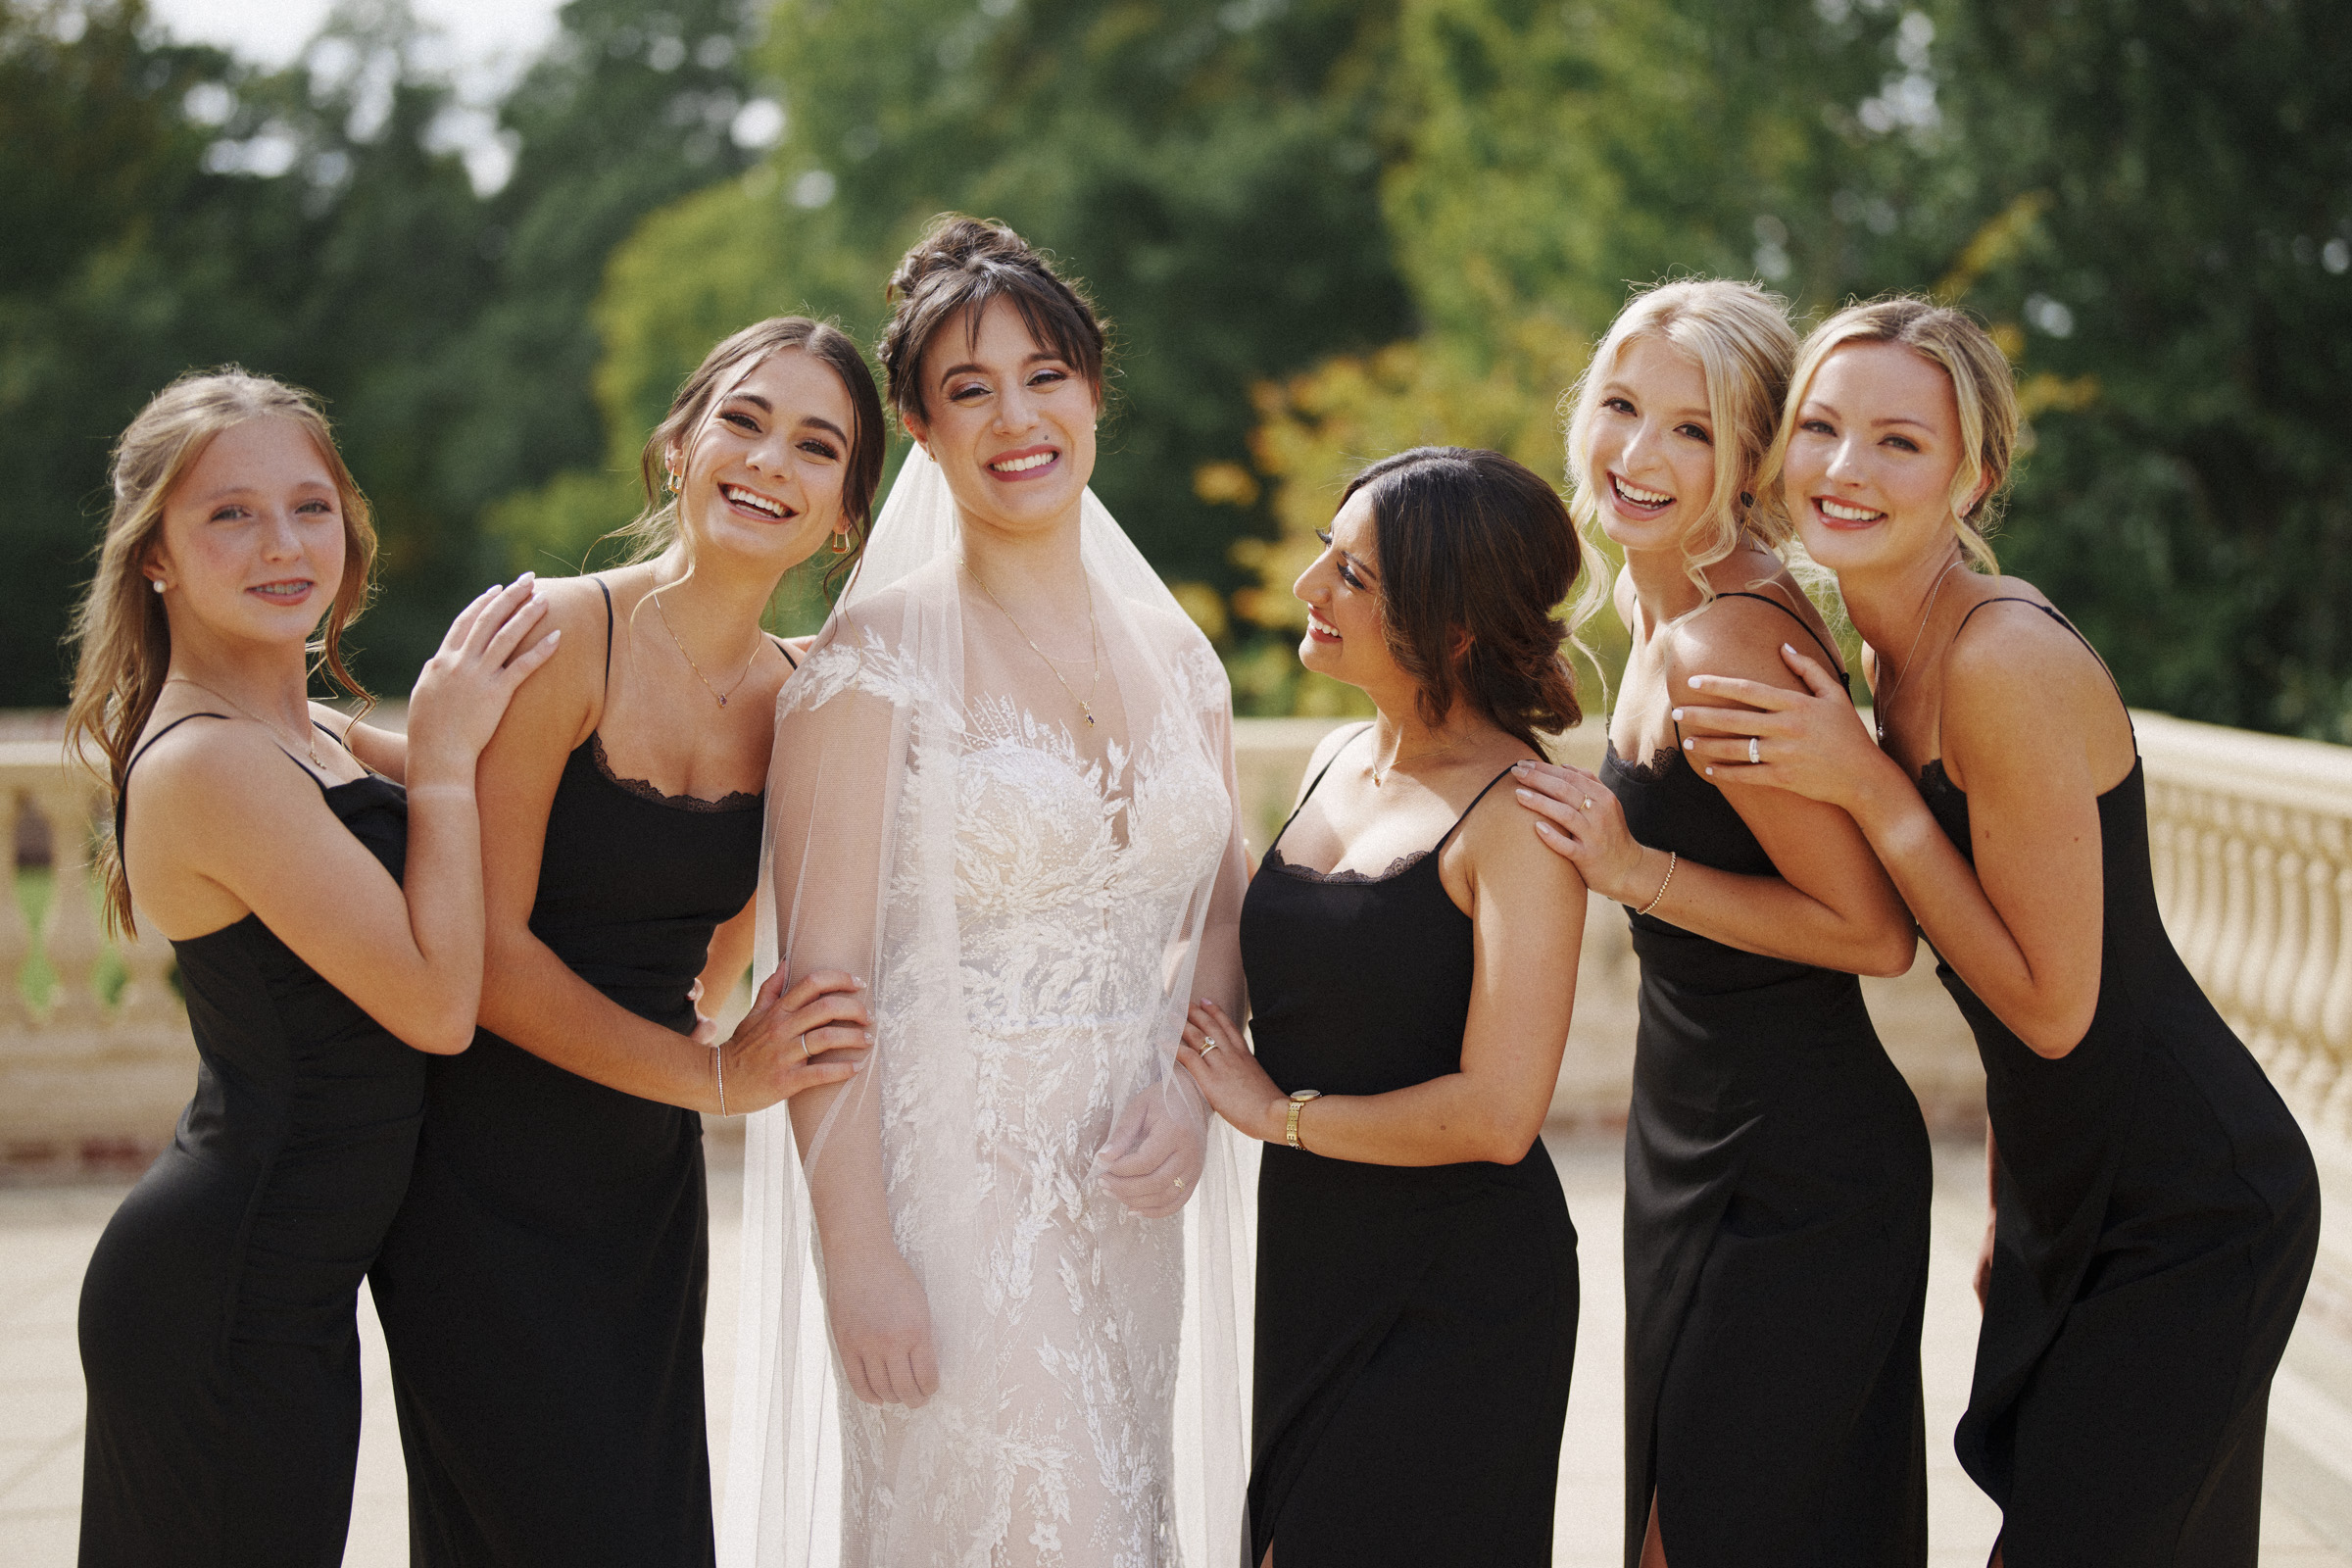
x,y
1410,952
324,922
541,1290
1777,1167
2155,1208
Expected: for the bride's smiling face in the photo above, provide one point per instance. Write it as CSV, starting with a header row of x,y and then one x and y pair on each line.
x,y
1009,422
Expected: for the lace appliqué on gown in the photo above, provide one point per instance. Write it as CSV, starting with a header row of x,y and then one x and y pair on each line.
x,y
1050,1439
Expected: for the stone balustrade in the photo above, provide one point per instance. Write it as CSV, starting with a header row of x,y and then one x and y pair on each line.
x,y
2253,863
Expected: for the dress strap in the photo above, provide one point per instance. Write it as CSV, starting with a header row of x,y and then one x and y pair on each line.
x,y
122,794
2035,604
1309,793
608,592
1472,807
1835,663
781,647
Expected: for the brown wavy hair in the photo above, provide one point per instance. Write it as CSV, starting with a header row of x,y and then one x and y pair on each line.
x,y
655,528
1476,554
958,265
122,638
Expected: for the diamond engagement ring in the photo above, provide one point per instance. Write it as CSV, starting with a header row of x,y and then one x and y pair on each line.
x,y
1756,749
1179,1184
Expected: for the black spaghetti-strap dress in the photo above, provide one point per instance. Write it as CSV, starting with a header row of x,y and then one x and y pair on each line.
x,y
543,1289
220,1341
1416,1326
2157,1219
1777,1178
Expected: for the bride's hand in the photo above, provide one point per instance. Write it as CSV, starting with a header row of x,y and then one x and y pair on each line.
x,y
1152,1161
881,1327
1237,1087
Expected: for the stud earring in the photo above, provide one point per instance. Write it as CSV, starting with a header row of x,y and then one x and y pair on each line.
x,y
158,583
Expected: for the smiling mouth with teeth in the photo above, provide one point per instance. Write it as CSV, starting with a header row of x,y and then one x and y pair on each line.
x,y
752,499
282,590
1639,497
1023,465
1846,513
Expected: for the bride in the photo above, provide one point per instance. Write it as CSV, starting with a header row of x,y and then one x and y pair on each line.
x,y
1002,790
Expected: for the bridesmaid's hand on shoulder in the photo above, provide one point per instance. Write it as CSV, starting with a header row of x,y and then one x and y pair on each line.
x,y
1237,1088
1579,819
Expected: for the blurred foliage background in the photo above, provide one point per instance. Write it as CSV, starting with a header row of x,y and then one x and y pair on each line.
x,y
1323,228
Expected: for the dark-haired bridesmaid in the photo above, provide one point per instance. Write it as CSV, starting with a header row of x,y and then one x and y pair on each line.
x,y
1411,955
1777,1167
328,929
541,1290
2156,1209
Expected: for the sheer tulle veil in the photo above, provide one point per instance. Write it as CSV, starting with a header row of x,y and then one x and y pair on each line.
x,y
860,873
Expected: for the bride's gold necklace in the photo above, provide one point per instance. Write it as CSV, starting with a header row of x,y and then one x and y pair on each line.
x,y
1094,635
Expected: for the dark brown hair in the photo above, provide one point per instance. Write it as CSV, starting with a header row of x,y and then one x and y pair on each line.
x,y
957,268
1475,553
656,525
122,638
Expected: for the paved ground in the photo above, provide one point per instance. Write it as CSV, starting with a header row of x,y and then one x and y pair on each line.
x,y
46,1236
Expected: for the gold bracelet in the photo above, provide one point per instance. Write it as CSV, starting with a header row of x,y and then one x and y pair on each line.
x,y
1290,1125
719,1057
1673,859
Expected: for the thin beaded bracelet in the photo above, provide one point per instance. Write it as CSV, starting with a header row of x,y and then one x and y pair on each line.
x,y
1673,859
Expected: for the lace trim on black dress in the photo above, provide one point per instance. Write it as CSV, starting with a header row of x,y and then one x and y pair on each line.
x,y
1396,867
1660,762
732,801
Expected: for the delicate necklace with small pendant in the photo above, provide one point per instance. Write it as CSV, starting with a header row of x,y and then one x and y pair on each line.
x,y
732,686
1377,777
309,743
1094,635
1882,707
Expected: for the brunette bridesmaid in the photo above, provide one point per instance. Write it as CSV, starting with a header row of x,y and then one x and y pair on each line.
x,y
541,1290
2155,1208
1410,953
1777,1167
328,930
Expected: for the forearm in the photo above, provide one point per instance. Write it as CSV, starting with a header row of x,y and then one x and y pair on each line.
x,y
841,1145
1941,887
533,998
1446,1121
1768,915
441,882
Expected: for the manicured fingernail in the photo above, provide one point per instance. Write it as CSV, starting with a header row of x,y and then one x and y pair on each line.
x,y
1678,716
1785,649
1525,795
1689,745
1698,683
1710,772
555,636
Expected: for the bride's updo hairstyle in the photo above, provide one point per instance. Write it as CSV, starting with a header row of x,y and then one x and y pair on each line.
x,y
958,265
1475,554
656,525
1742,339
1983,386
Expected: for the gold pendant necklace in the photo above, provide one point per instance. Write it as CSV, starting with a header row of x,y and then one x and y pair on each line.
x,y
697,669
1880,709
1094,634
310,745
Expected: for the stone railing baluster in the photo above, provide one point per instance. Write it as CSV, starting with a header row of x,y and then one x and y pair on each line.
x,y
16,933
70,937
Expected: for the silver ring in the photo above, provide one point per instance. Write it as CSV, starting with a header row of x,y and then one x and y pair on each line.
x,y
1756,749
805,1056
1179,1184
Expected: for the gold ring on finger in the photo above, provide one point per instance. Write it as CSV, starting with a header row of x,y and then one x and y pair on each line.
x,y
1213,1045
1179,1184
1588,802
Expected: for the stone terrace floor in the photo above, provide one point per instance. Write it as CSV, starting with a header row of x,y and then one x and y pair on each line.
x,y
46,1235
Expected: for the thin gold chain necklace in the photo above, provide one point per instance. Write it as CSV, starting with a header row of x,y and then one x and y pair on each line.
x,y
310,744
1094,635
732,686
1878,709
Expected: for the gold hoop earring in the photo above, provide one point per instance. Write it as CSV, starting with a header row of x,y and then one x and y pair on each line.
x,y
841,540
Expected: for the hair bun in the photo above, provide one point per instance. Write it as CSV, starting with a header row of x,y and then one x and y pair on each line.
x,y
956,243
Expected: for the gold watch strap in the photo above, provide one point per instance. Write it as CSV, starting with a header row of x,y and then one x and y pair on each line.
x,y
1289,1126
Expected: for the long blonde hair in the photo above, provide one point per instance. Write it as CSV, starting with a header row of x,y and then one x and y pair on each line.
x,y
1983,386
1745,347
121,634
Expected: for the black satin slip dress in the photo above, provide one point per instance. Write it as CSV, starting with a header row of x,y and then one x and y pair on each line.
x,y
2157,1220
1777,1178
543,1289
1415,1326
220,1341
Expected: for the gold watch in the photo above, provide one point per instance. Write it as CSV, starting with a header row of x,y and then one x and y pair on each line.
x,y
1290,1124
